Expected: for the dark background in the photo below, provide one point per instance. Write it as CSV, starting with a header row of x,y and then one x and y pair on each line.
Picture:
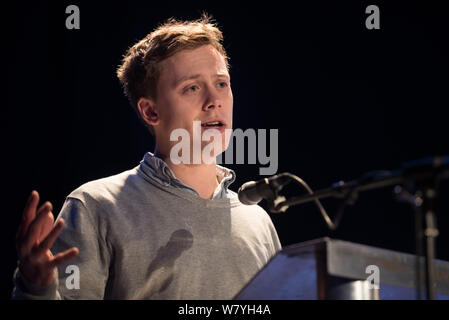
x,y
346,100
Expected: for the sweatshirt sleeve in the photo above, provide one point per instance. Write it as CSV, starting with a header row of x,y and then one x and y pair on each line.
x,y
274,242
26,290
83,277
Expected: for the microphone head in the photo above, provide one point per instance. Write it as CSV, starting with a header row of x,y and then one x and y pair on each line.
x,y
253,192
247,195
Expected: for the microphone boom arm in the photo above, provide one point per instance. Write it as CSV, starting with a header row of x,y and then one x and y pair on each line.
x,y
426,173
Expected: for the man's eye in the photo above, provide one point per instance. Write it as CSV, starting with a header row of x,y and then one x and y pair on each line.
x,y
192,89
223,84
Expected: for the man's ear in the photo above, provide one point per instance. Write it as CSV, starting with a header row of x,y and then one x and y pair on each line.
x,y
147,110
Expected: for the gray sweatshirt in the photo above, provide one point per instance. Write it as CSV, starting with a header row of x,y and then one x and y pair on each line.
x,y
143,234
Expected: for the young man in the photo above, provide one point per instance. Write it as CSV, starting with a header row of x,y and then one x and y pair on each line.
x,y
164,229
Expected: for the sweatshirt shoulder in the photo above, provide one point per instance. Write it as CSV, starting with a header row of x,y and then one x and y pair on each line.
x,y
252,210
104,188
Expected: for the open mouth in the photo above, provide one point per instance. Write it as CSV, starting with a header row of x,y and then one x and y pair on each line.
x,y
212,124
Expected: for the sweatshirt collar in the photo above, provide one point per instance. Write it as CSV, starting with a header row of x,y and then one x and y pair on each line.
x,y
158,170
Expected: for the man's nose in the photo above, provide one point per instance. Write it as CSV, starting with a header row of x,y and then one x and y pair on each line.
x,y
212,101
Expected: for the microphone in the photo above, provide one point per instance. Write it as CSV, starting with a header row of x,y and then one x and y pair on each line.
x,y
253,192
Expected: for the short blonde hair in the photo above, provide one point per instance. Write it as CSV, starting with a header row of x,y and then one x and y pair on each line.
x,y
140,70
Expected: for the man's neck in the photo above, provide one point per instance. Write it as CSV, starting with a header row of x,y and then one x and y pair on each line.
x,y
201,177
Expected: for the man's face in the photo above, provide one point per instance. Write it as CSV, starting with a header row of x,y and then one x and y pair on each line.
x,y
194,85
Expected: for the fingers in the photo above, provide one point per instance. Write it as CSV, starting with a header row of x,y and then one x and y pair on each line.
x,y
52,236
32,236
63,257
46,227
29,213
43,223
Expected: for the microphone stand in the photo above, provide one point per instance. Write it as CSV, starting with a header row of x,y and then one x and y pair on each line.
x,y
424,175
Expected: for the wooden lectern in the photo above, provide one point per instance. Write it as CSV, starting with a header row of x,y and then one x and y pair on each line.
x,y
333,269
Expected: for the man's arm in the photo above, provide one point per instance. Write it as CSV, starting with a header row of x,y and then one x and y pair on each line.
x,y
91,260
36,274
86,228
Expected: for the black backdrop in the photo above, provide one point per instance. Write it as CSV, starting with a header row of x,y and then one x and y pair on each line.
x,y
345,99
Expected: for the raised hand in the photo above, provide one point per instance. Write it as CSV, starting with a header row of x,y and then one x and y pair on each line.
x,y
35,237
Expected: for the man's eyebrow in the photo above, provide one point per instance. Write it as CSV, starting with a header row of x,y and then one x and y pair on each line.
x,y
196,76
185,78
222,74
